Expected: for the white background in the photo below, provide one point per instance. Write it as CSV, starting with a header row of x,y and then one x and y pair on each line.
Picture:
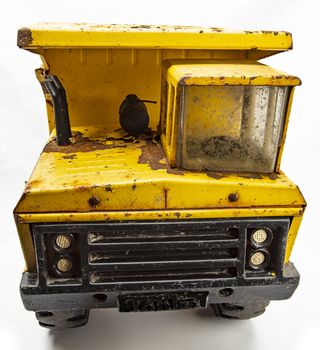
x,y
292,324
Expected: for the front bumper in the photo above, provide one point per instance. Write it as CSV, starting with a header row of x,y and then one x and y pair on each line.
x,y
77,297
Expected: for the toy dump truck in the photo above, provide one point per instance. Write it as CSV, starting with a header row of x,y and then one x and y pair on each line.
x,y
160,185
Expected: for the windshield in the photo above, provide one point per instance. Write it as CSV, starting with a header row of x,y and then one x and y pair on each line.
x,y
231,128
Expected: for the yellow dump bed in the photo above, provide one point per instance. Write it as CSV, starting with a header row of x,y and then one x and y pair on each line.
x,y
54,35
100,64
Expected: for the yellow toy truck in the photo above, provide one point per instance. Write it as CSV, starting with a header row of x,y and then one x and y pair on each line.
x,y
160,186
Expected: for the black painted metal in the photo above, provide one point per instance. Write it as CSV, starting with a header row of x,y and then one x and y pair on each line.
x,y
133,115
60,104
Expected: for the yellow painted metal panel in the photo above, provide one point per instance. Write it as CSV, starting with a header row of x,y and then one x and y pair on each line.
x,y
159,214
285,129
88,59
26,242
224,73
118,174
53,35
292,234
95,92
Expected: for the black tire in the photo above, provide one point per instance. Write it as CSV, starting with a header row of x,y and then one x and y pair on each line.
x,y
240,311
62,319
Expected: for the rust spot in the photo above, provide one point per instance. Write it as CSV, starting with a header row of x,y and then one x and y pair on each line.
x,y
251,176
273,176
134,186
215,175
24,37
82,144
93,201
261,32
233,197
184,79
31,184
152,154
214,29
177,214
141,27
70,156
108,188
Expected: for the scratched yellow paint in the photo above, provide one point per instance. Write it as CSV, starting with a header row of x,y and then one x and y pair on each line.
x,y
110,178
53,35
229,73
124,178
89,59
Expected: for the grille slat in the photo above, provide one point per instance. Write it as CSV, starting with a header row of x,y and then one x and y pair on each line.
x,y
106,257
174,264
157,236
169,245
146,276
165,251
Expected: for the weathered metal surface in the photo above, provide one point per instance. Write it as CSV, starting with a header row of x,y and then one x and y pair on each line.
x,y
134,176
24,37
87,59
104,176
53,35
213,75
226,73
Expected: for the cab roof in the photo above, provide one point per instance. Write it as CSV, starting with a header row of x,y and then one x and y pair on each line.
x,y
229,73
83,35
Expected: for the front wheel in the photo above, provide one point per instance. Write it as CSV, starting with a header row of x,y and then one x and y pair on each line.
x,y
240,311
62,319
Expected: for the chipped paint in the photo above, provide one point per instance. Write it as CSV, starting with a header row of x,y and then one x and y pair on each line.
x,y
138,177
103,176
84,144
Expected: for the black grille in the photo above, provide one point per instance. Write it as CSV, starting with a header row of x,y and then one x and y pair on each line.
x,y
118,253
163,251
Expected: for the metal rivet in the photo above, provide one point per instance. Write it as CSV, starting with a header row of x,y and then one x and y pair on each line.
x,y
93,201
233,197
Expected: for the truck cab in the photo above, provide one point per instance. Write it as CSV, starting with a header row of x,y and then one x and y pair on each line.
x,y
160,185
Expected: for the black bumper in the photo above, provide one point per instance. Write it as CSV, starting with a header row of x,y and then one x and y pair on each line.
x,y
216,291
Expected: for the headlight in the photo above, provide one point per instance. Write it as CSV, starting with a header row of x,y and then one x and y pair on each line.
x,y
261,237
63,241
64,265
259,259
